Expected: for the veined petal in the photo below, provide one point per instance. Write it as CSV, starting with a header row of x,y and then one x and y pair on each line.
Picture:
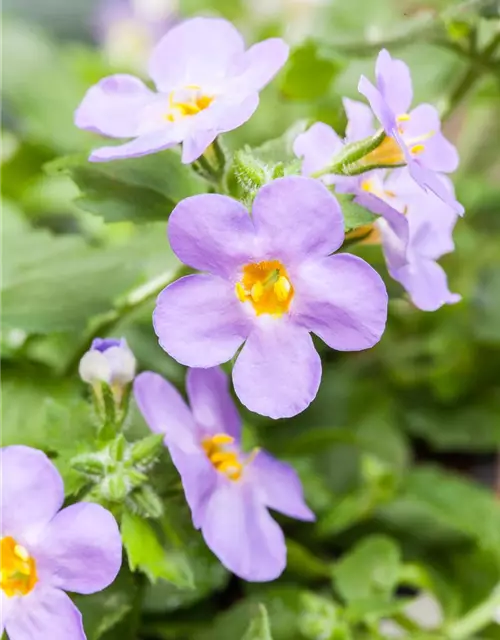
x,y
45,613
211,402
141,146
296,218
278,371
317,146
113,106
80,550
359,120
394,82
427,285
32,492
257,66
239,530
431,182
380,108
210,232
199,321
199,51
165,410
279,486
343,300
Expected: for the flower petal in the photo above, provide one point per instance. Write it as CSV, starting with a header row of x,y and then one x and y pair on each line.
x,y
278,371
45,613
394,82
141,146
280,487
80,550
343,300
199,479
211,402
431,227
33,492
240,532
427,285
212,233
199,321
431,182
297,217
165,410
378,104
113,106
359,120
438,153
317,147
261,63
199,51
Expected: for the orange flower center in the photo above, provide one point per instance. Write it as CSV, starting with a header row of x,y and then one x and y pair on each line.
x,y
18,568
223,456
187,102
266,285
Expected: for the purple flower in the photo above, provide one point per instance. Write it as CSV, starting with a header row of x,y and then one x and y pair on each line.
x,y
229,492
416,230
270,281
46,552
110,361
129,29
207,84
414,137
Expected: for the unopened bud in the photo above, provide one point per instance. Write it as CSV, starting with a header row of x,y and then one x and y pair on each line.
x,y
145,502
115,487
91,464
145,452
108,361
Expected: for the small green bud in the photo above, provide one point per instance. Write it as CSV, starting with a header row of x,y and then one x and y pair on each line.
x,y
115,488
135,478
145,502
319,618
117,448
92,465
146,451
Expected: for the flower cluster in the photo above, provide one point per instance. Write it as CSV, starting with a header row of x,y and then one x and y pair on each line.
x,y
46,551
266,277
416,202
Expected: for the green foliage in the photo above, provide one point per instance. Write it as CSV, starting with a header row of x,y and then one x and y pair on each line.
x,y
309,73
136,189
145,552
259,628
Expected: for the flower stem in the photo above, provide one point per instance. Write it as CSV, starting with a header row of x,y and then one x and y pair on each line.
x,y
136,298
476,619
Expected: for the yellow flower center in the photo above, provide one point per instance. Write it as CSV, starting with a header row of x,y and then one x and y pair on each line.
x,y
223,456
266,285
187,102
18,568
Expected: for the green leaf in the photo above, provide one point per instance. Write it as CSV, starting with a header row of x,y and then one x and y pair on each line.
x,y
281,149
104,610
369,570
355,216
309,72
304,563
259,628
443,495
320,617
146,553
138,189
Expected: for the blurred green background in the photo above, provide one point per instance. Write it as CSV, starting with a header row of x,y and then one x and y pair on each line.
x,y
399,451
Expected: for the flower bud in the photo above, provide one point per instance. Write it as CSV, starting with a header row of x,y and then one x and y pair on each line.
x,y
108,361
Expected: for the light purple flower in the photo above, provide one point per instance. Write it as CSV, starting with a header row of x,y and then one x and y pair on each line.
x,y
414,137
207,84
270,281
109,360
416,230
229,492
46,552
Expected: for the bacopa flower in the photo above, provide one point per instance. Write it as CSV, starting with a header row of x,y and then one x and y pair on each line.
x,y
413,137
128,29
270,281
229,492
207,84
414,236
45,552
108,360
